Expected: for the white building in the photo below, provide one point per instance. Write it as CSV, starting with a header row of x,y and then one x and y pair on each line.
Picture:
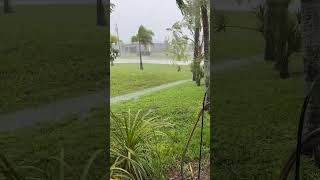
x,y
134,48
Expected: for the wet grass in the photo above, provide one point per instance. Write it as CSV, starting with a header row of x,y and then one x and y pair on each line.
x,y
49,52
256,122
80,138
181,105
127,78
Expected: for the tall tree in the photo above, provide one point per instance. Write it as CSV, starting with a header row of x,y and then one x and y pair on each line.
x,y
269,52
197,54
192,16
101,17
178,47
144,37
281,36
206,37
281,31
311,38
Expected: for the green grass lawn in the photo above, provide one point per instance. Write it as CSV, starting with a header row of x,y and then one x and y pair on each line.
x,y
237,43
181,105
48,52
80,138
126,78
256,122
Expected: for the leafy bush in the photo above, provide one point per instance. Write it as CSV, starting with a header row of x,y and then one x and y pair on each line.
x,y
132,137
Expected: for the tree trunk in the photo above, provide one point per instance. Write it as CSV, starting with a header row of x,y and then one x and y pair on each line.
x,y
7,6
311,38
141,65
269,52
198,74
281,63
206,36
196,52
284,68
107,92
101,18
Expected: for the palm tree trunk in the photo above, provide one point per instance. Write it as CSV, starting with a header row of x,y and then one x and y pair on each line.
x,y
6,6
205,23
269,52
101,19
311,37
141,65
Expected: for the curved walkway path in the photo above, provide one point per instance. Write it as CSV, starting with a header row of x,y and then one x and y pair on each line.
x,y
82,105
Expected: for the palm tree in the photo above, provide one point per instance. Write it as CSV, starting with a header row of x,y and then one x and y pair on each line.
x,y
101,18
311,65
144,37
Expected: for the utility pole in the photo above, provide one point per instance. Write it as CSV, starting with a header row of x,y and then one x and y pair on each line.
x,y
118,39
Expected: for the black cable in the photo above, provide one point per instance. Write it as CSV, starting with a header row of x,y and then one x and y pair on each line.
x,y
300,128
308,139
298,150
201,135
191,134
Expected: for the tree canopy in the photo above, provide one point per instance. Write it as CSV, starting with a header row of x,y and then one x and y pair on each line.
x,y
144,36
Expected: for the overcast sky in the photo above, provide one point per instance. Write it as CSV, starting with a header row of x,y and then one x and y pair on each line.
x,y
156,15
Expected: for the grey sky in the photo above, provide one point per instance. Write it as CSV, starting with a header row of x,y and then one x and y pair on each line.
x,y
156,15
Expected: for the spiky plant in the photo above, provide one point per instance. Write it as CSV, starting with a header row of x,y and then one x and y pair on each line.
x,y
132,136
